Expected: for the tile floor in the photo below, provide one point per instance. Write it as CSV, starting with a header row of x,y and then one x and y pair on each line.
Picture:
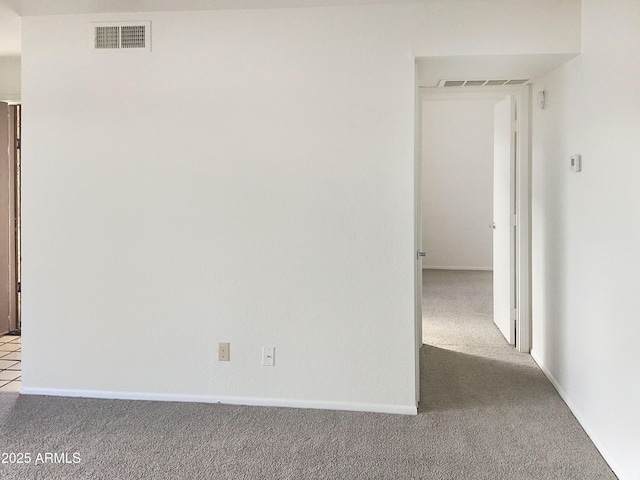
x,y
10,370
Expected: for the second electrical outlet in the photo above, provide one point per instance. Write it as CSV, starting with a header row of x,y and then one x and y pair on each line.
x,y
223,351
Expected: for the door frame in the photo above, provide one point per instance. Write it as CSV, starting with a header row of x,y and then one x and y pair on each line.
x,y
10,130
15,118
522,268
503,226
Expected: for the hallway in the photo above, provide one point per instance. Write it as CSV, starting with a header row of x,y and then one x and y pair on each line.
x,y
497,405
457,310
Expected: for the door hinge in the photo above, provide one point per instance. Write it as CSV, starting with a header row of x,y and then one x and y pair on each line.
x,y
18,143
514,314
19,287
514,220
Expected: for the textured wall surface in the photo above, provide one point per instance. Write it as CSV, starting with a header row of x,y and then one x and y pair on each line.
x,y
586,232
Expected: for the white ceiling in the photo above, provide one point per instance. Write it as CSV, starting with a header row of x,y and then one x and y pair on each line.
x,y
60,7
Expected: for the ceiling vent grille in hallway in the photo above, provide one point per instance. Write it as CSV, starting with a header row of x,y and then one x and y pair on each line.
x,y
122,35
479,83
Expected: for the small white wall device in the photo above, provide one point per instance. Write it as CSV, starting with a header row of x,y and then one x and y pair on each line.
x,y
575,164
542,100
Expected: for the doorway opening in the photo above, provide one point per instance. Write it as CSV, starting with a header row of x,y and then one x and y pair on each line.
x,y
10,219
474,207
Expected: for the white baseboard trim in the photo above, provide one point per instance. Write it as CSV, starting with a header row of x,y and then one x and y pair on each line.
x,y
248,401
483,269
606,454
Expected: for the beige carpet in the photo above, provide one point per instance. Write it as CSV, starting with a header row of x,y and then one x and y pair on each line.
x,y
487,413
476,380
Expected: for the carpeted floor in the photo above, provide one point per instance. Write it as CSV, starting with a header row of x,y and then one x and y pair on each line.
x,y
487,412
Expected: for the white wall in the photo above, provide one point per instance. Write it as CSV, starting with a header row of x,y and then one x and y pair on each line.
x,y
225,187
481,27
457,182
251,181
586,231
10,79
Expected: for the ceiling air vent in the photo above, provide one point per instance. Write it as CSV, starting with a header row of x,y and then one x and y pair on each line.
x,y
122,35
452,83
479,83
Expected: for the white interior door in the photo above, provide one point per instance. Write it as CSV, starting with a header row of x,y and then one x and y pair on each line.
x,y
503,209
418,243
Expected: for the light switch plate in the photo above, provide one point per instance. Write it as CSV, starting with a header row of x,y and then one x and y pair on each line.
x,y
268,356
575,164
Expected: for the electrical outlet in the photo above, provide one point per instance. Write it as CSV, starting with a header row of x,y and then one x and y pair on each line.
x,y
223,351
268,356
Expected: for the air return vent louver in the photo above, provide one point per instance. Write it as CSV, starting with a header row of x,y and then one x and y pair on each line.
x,y
122,35
133,36
479,83
106,37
